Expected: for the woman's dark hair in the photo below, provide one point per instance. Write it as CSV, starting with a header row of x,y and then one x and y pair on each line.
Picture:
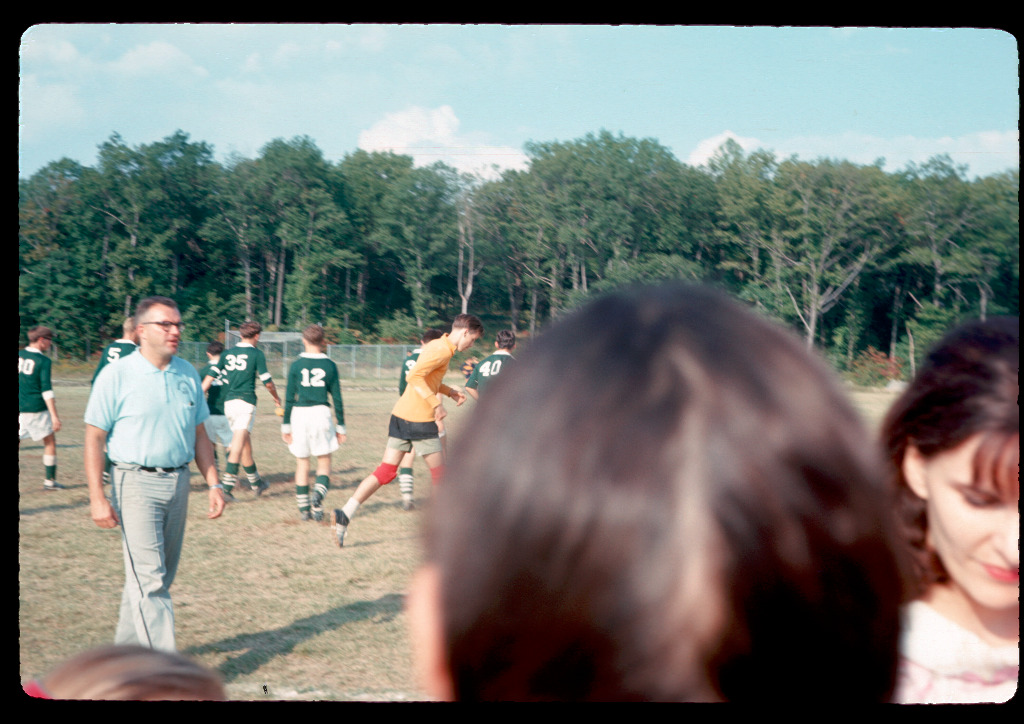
x,y
668,498
967,386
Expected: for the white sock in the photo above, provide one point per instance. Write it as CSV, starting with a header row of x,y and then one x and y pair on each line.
x,y
350,507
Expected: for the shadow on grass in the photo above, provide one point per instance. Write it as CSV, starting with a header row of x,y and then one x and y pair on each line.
x,y
254,650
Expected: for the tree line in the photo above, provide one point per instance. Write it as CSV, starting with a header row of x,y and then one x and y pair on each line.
x,y
868,266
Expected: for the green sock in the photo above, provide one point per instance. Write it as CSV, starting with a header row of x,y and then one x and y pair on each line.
x,y
405,481
323,483
302,497
251,474
230,476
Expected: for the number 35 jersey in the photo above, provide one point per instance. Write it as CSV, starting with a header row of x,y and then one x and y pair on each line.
x,y
240,367
311,378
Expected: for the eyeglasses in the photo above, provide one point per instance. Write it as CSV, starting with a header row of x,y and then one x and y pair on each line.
x,y
166,326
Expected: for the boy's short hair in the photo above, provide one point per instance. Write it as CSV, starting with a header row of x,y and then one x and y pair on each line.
x,y
214,348
248,330
39,332
468,321
314,334
430,335
506,339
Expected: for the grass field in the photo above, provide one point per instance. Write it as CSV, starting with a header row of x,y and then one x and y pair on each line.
x,y
270,602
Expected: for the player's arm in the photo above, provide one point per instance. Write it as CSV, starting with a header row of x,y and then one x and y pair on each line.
x,y
290,393
207,383
265,378
46,386
205,461
471,391
100,509
339,406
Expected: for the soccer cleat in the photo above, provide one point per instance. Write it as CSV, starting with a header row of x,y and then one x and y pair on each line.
x,y
228,497
305,515
318,514
316,500
340,525
52,485
262,487
407,504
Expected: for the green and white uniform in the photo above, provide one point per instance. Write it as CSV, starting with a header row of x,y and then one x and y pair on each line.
x,y
34,389
488,369
311,379
114,351
240,367
34,420
407,366
307,416
217,427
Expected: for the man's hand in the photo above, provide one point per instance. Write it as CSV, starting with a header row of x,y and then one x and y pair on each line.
x,y
216,503
55,422
440,413
103,513
458,395
287,437
342,437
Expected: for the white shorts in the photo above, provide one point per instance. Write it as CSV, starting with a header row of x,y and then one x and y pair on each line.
x,y
218,429
36,425
240,414
313,432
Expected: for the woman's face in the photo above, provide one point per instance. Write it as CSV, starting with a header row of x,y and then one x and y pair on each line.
x,y
972,529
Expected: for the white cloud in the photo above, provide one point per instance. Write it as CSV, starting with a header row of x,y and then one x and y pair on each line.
x,y
36,48
700,155
45,107
984,152
430,135
158,57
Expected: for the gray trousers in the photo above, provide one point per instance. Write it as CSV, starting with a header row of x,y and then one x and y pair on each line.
x,y
152,508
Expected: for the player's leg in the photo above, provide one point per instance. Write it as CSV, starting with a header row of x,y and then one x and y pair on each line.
x,y
302,487
384,474
322,485
50,462
405,479
230,476
249,466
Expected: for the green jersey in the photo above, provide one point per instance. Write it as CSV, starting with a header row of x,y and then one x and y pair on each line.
x,y
409,363
34,386
240,367
488,369
310,379
215,396
113,352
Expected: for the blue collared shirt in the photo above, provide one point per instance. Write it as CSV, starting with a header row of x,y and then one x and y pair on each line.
x,y
150,415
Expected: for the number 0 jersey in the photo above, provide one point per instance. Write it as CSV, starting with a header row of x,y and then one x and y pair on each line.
x,y
34,385
488,369
311,378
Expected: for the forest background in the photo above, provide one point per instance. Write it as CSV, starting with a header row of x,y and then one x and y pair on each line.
x,y
868,266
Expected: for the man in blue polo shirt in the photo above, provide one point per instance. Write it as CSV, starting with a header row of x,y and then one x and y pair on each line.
x,y
148,410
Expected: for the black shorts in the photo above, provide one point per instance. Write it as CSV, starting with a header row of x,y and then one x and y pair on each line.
x,y
406,430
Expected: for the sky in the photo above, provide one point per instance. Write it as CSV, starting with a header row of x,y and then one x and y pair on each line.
x,y
474,96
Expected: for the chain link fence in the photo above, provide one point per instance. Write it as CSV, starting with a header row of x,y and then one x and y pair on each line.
x,y
374,365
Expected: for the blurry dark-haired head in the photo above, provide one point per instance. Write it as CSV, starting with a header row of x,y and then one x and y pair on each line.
x,y
668,499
